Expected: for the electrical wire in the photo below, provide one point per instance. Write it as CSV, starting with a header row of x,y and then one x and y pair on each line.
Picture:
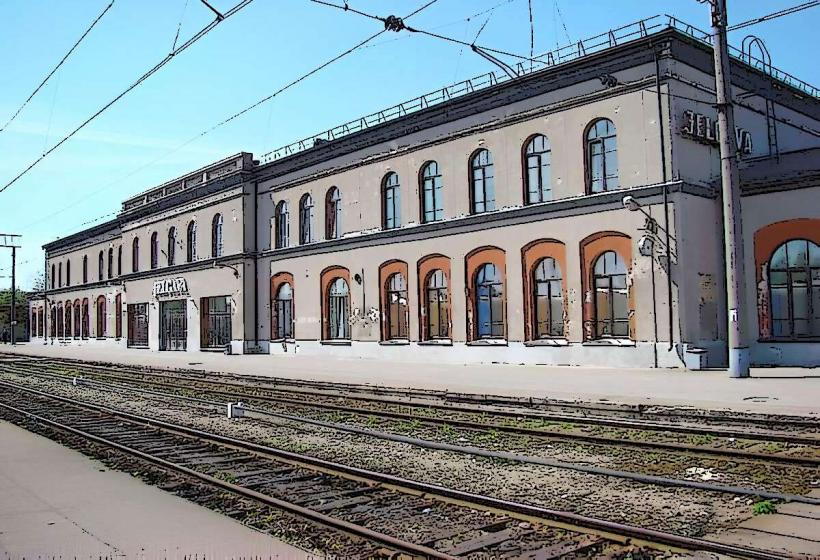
x,y
774,15
59,64
199,35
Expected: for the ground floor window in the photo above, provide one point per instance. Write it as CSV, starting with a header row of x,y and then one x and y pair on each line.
x,y
397,316
611,296
489,290
339,310
215,313
794,290
118,317
86,326
40,325
548,301
60,324
282,309
438,319
138,324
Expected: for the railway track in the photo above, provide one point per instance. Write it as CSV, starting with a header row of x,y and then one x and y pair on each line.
x,y
407,517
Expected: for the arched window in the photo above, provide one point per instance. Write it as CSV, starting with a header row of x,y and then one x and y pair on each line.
x,y
482,181
283,312
438,315
41,315
306,219
77,318
100,266
60,274
53,276
489,302
119,260
135,255
547,299
432,199
281,225
68,322
333,214
190,254
110,262
611,296
602,157
794,289
338,306
53,327
68,273
391,201
154,250
396,312
86,320
172,246
85,269
101,319
216,236
537,161
60,323
118,316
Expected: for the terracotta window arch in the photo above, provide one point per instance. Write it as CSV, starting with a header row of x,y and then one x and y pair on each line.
x,y
609,302
391,201
135,255
190,246
394,301
545,288
537,160
333,213
434,298
601,149
432,198
281,225
306,219
154,250
78,319
482,182
282,306
101,318
336,303
486,294
172,246
216,236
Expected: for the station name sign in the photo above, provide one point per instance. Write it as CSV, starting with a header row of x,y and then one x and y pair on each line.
x,y
170,287
705,129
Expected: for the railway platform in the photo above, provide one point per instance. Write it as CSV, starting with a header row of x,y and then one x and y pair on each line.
x,y
58,503
792,391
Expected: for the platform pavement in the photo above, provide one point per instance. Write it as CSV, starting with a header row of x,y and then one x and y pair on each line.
x,y
59,503
770,390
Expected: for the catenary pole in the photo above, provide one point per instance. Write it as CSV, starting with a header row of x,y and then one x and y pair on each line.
x,y
730,187
13,293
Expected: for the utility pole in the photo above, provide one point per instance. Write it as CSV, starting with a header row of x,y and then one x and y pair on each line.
x,y
730,187
9,240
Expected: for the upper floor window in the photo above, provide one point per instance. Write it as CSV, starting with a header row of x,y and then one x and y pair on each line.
x,y
482,181
391,201
60,275
119,260
172,246
110,262
611,296
100,266
538,180
333,213
68,273
135,255
53,277
85,269
432,200
794,290
281,225
191,244
602,157
306,219
216,236
154,250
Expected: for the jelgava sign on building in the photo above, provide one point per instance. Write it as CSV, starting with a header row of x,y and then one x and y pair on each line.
x,y
705,129
170,287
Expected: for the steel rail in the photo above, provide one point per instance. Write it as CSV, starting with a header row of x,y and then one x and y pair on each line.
x,y
811,462
600,526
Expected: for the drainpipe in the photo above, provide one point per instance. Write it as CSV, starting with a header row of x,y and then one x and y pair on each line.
x,y
665,178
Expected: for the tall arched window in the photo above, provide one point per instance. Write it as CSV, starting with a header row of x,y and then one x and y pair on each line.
x,y
391,201
281,225
537,161
306,219
60,274
172,246
118,316
216,236
438,315
338,306
110,262
77,319
135,255
190,246
611,296
119,260
794,290
397,311
154,250
68,273
547,299
283,312
85,269
482,182
432,199
53,327
86,320
53,277
68,322
333,213
101,318
489,302
602,157
60,323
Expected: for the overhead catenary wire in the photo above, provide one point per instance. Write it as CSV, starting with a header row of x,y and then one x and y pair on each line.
x,y
775,15
196,37
59,64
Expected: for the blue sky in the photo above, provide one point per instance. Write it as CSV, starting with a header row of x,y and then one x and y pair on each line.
x,y
135,144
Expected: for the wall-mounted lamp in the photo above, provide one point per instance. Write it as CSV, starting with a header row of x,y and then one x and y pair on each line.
x,y
358,278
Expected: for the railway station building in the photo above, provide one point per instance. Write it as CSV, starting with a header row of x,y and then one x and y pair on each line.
x,y
568,216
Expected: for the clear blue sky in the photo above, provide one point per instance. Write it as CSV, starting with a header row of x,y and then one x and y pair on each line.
x,y
245,58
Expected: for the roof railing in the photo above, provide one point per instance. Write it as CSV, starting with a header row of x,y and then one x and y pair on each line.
x,y
574,51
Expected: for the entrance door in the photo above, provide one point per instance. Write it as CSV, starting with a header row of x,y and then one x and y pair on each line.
x,y
174,328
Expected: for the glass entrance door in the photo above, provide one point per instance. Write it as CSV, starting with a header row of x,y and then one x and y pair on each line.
x,y
174,327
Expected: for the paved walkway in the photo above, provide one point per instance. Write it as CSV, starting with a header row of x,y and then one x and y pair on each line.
x,y
58,503
769,390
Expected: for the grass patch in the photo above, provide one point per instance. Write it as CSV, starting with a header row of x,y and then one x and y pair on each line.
x,y
766,507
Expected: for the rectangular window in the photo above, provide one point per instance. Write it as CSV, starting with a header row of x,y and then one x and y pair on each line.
x,y
138,324
215,322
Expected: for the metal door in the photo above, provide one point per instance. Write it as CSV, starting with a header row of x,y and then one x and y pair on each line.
x,y
174,327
